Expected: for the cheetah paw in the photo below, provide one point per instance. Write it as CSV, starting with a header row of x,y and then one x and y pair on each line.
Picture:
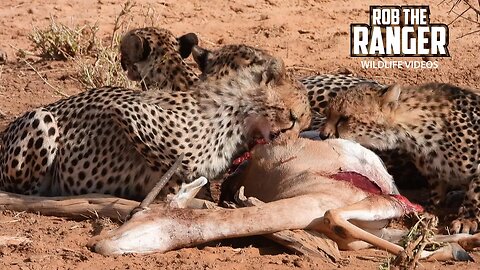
x,y
464,225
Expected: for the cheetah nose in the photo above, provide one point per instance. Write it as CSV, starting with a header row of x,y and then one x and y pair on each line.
x,y
324,136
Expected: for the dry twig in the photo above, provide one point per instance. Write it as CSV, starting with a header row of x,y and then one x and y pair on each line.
x,y
418,239
469,7
56,90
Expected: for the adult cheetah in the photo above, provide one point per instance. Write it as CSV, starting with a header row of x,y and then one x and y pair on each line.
x,y
438,125
155,57
119,141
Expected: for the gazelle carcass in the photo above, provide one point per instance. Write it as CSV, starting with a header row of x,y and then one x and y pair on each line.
x,y
335,187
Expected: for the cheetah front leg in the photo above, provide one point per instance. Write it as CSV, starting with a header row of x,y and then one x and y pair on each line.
x,y
468,219
438,191
153,137
149,128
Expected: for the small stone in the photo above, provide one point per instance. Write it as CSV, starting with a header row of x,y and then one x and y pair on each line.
x,y
301,31
236,9
3,57
299,263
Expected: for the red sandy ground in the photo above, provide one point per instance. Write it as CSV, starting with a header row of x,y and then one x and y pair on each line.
x,y
311,37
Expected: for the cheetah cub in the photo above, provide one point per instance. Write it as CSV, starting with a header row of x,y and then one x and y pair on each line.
x,y
438,125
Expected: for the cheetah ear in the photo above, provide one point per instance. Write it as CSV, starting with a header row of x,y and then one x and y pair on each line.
x,y
391,96
202,57
186,43
275,71
133,49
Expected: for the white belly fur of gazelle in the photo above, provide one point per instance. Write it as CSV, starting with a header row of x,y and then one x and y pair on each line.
x,y
274,173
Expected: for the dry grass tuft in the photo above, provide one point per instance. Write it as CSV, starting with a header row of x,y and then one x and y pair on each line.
x,y
60,42
103,68
100,224
96,59
418,239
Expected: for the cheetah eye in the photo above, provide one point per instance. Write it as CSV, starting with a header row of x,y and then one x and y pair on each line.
x,y
293,117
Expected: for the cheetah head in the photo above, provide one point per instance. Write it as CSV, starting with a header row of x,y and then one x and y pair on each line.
x,y
285,110
282,103
365,114
230,60
154,56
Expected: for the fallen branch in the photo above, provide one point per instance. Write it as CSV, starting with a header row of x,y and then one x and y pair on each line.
x,y
76,207
307,243
84,206
80,206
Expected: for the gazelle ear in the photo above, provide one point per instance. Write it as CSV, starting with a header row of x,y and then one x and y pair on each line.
x,y
391,97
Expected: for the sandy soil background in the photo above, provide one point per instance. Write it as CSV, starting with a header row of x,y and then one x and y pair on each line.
x,y
311,36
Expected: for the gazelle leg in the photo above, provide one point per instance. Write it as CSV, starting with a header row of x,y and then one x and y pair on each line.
x,y
461,242
452,251
305,242
377,208
465,240
390,234
456,249
373,208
